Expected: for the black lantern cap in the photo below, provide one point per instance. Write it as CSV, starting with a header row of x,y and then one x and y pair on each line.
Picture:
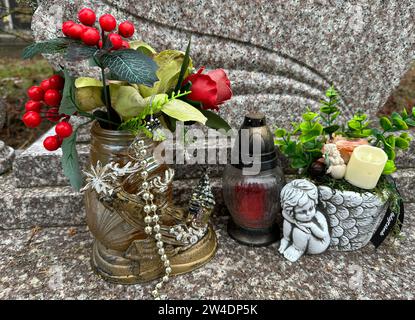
x,y
258,133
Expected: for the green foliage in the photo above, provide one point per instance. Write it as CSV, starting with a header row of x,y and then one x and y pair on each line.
x,y
304,143
171,106
70,161
78,51
142,47
214,121
329,111
135,125
126,101
185,67
130,65
306,147
182,111
68,105
57,45
170,64
391,136
358,126
389,167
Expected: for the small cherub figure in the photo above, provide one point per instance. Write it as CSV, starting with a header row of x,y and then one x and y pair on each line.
x,y
334,161
305,228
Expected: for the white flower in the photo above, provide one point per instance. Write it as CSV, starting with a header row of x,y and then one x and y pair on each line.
x,y
100,179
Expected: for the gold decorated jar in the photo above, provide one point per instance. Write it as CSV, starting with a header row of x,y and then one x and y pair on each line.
x,y
122,251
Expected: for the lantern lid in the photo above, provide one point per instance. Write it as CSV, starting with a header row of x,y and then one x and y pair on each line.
x,y
254,144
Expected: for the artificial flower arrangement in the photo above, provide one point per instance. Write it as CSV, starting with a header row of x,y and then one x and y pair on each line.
x,y
344,172
137,85
140,234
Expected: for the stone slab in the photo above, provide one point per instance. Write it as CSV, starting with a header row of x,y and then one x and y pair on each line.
x,y
53,263
62,206
37,167
28,207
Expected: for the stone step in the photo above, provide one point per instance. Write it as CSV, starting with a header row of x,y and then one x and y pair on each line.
x,y
62,206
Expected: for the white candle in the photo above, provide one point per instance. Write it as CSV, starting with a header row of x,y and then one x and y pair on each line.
x,y
366,166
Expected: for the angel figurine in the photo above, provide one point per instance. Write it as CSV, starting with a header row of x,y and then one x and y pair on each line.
x,y
305,228
334,161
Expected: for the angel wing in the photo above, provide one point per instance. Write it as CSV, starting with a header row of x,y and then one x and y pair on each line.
x,y
352,216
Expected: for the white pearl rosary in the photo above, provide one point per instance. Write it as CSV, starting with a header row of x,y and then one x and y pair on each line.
x,y
151,220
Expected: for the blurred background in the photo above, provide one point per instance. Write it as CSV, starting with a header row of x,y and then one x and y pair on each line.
x,y
17,75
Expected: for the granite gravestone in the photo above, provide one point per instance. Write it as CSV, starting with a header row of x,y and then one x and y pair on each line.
x,y
281,55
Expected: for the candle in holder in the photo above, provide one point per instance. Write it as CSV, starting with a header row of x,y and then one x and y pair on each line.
x,y
366,166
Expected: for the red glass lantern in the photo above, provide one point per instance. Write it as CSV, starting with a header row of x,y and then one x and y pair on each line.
x,y
252,185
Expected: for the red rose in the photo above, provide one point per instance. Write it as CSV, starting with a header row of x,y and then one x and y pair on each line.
x,y
210,89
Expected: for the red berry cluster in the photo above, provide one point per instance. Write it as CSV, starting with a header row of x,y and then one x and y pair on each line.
x,y
91,36
44,103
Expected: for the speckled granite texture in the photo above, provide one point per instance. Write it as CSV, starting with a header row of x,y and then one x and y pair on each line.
x,y
53,263
280,55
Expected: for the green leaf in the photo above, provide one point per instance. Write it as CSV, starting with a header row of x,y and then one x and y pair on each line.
x,y
396,115
82,82
305,126
214,121
299,162
328,109
404,114
70,162
385,123
169,64
400,124
56,45
291,148
132,66
78,51
142,47
279,133
127,101
401,143
391,141
366,133
331,92
184,67
68,105
390,152
279,142
309,145
354,125
359,116
183,111
308,116
413,111
410,122
405,135
312,134
389,167
375,132
331,129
